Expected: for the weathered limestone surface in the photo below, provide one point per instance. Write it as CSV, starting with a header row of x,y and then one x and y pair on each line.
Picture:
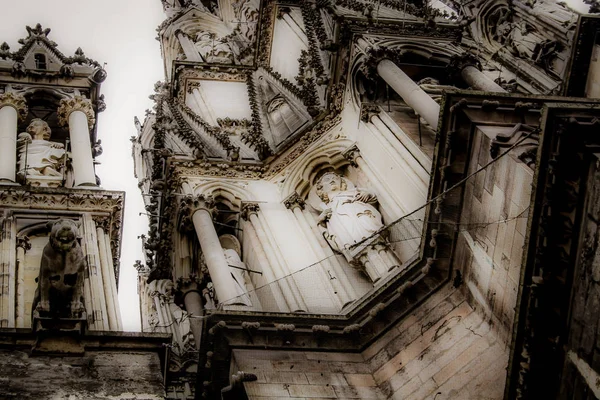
x,y
443,347
97,375
490,244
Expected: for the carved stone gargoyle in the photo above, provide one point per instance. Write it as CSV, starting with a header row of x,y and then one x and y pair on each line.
x,y
59,294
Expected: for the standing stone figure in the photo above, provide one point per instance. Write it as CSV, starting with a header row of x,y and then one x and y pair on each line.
x,y
60,281
348,218
232,250
43,157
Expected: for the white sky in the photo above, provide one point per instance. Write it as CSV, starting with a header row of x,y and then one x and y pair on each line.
x,y
121,34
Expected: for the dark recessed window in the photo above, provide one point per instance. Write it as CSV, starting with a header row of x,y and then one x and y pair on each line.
x,y
40,61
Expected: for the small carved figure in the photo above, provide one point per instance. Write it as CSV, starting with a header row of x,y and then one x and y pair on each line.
x,y
232,249
42,156
60,281
350,215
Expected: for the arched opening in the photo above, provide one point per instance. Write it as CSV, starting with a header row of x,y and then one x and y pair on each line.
x,y
40,61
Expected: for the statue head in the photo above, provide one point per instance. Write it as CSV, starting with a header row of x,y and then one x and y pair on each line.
x,y
329,182
39,129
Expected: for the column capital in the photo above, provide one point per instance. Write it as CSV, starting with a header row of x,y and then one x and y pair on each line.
x,y
294,200
189,205
459,62
102,222
15,101
24,242
351,154
77,103
188,284
283,11
375,55
249,209
368,111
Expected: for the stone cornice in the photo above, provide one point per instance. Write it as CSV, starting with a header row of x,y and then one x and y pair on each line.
x,y
76,103
15,101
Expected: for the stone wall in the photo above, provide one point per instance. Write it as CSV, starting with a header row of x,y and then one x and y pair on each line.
x,y
94,376
93,366
492,232
444,347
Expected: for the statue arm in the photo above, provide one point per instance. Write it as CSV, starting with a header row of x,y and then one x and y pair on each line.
x,y
324,217
365,196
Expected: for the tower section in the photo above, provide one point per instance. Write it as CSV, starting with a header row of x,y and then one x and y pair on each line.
x,y
60,231
309,171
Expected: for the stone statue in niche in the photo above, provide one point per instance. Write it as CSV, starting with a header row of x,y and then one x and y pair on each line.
x,y
60,282
40,159
233,250
348,217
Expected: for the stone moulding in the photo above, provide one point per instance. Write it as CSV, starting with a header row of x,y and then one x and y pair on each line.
x,y
17,198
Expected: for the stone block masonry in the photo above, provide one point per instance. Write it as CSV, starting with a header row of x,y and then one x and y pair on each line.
x,y
443,348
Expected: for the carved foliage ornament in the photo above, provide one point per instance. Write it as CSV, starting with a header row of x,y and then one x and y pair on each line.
x,y
189,205
77,103
16,101
293,201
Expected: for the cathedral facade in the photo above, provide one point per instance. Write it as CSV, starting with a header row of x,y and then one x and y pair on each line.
x,y
347,199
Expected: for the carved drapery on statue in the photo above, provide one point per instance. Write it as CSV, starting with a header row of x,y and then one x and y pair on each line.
x,y
233,250
348,216
60,281
40,160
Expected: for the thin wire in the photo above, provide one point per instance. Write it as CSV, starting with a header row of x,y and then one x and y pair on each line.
x,y
221,303
482,224
379,231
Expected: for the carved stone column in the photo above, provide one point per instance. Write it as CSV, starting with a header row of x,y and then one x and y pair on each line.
x,y
96,305
341,284
23,245
410,92
108,274
78,114
12,109
416,173
292,294
192,298
469,69
199,210
273,287
284,14
188,46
